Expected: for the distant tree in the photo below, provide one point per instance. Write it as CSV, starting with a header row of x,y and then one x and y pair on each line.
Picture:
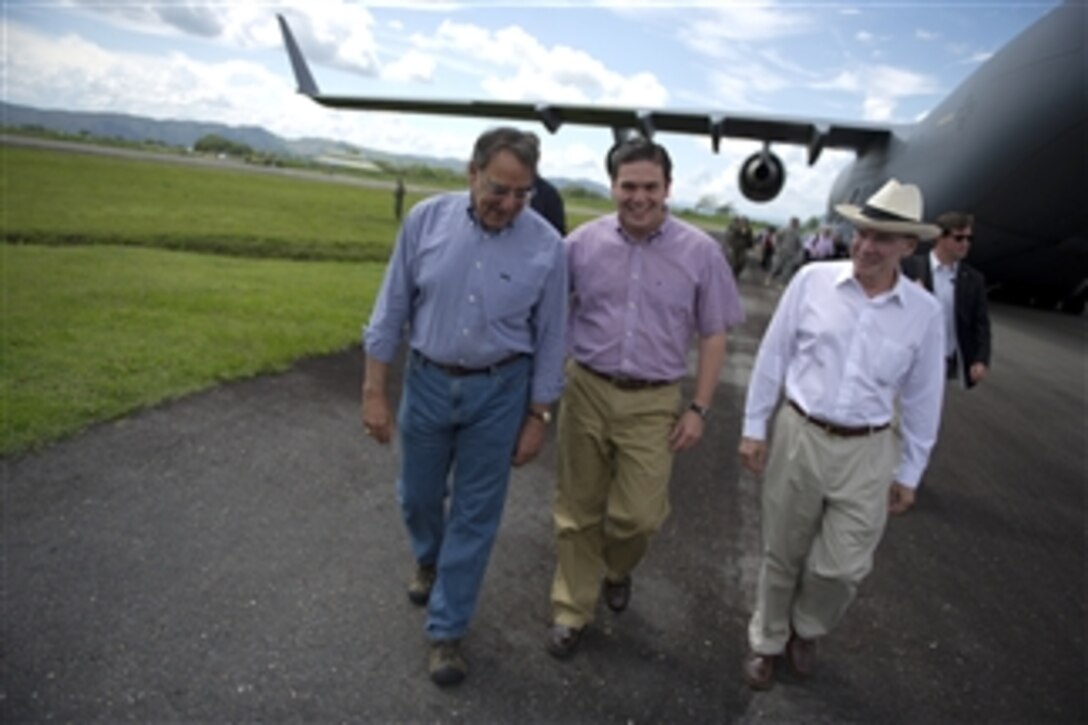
x,y
707,204
725,209
213,143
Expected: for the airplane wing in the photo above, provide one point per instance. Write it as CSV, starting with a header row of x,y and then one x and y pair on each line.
x,y
815,135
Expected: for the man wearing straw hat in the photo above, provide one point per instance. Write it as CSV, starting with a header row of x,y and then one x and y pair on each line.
x,y
848,342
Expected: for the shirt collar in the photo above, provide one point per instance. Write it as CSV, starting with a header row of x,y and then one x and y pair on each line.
x,y
653,236
846,276
935,264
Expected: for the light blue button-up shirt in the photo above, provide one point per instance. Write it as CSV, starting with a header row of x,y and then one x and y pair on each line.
x,y
472,297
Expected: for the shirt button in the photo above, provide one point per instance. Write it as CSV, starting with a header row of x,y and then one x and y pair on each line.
x,y
464,331
472,298
479,265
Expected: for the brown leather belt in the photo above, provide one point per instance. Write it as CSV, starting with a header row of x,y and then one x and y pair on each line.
x,y
626,383
843,431
458,371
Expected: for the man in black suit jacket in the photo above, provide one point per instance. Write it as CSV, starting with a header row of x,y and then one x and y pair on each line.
x,y
962,292
549,204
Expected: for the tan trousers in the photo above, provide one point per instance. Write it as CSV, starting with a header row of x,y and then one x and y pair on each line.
x,y
612,494
825,503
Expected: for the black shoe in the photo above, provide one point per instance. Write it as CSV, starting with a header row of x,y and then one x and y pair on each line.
x,y
419,589
447,665
758,670
563,640
617,595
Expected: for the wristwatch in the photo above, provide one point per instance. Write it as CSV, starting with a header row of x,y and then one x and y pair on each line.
x,y
702,410
544,416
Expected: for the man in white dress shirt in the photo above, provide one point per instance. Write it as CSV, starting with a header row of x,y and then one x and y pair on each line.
x,y
848,340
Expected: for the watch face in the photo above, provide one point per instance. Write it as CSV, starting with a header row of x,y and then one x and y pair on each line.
x,y
545,415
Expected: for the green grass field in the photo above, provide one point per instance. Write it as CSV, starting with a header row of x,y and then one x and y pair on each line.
x,y
68,198
92,330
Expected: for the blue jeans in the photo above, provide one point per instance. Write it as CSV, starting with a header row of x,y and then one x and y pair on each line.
x,y
458,435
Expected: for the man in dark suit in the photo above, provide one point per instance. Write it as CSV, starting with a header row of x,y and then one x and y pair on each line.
x,y
961,290
549,204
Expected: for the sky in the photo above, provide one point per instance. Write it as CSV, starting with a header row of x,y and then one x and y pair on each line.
x,y
875,62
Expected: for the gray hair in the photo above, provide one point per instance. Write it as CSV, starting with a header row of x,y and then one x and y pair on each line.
x,y
524,145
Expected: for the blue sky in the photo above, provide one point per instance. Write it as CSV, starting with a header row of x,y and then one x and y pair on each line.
x,y
886,62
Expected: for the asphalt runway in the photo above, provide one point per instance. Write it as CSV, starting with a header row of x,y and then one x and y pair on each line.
x,y
237,556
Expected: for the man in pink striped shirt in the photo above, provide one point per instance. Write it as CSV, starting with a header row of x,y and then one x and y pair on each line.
x,y
643,285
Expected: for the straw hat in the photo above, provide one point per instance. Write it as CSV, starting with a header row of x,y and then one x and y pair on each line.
x,y
895,208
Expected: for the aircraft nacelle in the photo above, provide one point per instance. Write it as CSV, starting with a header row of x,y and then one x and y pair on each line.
x,y
762,176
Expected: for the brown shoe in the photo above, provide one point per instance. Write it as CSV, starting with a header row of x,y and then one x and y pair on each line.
x,y
447,665
563,640
759,670
419,589
801,653
617,595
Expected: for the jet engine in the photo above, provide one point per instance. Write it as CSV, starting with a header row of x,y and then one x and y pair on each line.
x,y
762,176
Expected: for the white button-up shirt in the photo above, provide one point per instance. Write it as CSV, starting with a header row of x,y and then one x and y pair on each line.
x,y
846,357
944,287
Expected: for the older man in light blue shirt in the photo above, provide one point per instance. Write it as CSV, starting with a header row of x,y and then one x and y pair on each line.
x,y
480,282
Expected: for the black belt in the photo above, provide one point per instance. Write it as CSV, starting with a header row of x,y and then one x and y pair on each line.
x,y
626,383
459,371
843,431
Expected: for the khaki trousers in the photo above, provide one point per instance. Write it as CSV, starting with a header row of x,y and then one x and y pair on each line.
x,y
612,493
825,504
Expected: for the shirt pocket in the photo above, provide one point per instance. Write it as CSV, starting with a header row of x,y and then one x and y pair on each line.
x,y
510,297
890,362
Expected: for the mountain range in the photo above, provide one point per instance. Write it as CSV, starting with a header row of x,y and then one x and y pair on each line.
x,y
186,133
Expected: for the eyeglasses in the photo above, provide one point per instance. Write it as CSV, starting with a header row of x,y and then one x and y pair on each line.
x,y
960,237
494,189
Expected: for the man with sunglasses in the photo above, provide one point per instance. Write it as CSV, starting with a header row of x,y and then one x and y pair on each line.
x,y
961,290
481,287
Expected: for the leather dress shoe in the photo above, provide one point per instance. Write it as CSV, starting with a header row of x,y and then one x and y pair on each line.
x,y
801,653
617,595
759,670
563,640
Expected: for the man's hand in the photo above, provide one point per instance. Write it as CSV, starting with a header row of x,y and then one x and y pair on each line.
x,y
753,454
377,417
978,372
687,431
530,440
900,498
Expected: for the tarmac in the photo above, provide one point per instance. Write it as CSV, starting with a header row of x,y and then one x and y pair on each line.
x,y
238,556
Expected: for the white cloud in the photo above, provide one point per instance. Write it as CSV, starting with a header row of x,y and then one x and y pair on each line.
x,y
881,87
413,66
516,66
926,35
